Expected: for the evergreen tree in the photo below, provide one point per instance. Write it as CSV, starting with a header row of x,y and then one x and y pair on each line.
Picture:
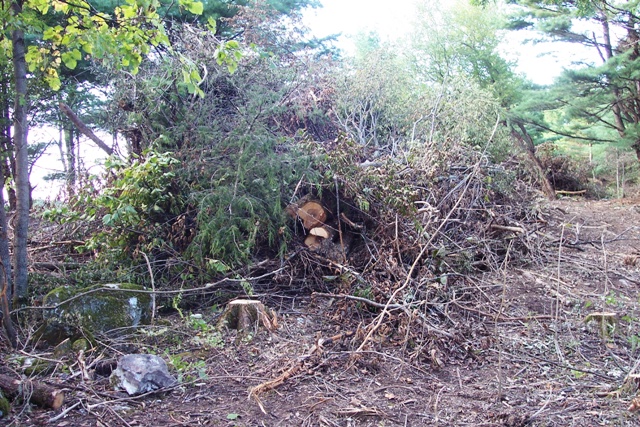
x,y
600,101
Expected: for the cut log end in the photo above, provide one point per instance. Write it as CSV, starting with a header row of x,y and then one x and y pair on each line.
x,y
57,399
320,232
311,213
313,242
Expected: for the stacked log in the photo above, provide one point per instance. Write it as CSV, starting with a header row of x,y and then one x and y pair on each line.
x,y
324,236
313,217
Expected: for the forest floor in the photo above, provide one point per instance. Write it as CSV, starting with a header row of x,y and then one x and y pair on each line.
x,y
525,353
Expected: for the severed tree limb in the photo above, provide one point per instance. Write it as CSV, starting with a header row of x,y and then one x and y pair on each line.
x,y
579,192
84,129
507,228
39,393
294,369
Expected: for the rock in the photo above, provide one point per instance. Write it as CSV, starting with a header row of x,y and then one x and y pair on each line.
x,y
141,373
99,308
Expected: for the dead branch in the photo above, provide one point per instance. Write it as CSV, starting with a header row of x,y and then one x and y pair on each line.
x,y
571,192
519,230
294,369
31,391
362,300
84,129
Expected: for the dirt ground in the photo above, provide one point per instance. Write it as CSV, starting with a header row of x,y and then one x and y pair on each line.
x,y
521,346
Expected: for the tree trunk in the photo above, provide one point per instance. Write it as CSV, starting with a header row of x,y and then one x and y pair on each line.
x,y
20,130
636,148
5,254
526,143
247,316
5,144
69,136
6,311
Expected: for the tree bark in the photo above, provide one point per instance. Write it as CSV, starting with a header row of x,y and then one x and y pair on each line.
x,y
84,129
36,392
247,315
69,136
6,311
23,189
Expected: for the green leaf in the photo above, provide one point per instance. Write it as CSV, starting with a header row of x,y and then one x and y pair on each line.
x,y
233,416
196,8
69,61
211,25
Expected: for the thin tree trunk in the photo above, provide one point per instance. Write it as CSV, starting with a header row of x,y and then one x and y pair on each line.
x,y
69,137
5,254
526,143
20,130
6,310
608,48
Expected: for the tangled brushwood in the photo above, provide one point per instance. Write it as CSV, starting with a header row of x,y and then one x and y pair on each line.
x,y
396,240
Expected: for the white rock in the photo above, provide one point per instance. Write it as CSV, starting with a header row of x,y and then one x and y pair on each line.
x,y
141,373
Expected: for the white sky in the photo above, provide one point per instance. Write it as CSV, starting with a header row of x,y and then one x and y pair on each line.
x,y
392,20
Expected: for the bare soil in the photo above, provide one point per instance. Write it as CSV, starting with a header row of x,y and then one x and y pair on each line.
x,y
511,349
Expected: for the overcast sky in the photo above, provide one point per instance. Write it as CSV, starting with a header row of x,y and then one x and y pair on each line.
x,y
393,19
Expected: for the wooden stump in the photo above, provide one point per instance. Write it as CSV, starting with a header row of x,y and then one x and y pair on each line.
x,y
247,316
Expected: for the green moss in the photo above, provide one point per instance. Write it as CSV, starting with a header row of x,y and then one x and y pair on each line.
x,y
5,407
98,308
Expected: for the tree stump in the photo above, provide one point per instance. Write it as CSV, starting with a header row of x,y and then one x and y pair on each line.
x,y
247,316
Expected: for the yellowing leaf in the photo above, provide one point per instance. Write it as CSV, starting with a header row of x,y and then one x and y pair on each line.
x,y
211,25
196,8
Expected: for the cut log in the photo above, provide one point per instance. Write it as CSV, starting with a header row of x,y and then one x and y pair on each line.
x,y
311,213
247,316
313,242
320,232
39,393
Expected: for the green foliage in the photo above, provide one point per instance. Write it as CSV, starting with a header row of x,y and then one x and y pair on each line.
x,y
137,206
188,371
597,101
216,201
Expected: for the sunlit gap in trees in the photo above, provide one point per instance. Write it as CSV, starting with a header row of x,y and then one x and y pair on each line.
x,y
540,62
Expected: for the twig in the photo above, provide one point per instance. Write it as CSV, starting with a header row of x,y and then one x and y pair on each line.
x,y
424,249
495,320
153,289
316,349
557,299
362,300
64,413
505,228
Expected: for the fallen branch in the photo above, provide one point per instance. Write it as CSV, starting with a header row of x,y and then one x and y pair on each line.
x,y
506,228
298,365
84,129
31,391
571,193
